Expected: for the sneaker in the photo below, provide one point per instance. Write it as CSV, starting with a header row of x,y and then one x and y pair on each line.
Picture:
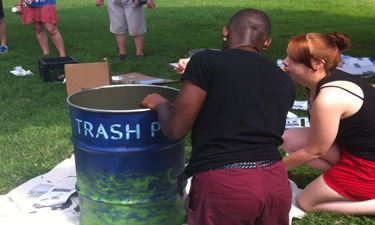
x,y
120,57
141,56
4,50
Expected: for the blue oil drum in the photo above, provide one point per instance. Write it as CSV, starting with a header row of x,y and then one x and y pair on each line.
x,y
126,167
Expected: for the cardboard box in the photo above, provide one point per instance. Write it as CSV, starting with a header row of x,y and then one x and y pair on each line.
x,y
87,75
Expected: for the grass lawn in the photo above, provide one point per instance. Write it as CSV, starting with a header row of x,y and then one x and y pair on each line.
x,y
34,116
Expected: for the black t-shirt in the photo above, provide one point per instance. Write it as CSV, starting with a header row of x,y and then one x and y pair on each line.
x,y
357,132
244,114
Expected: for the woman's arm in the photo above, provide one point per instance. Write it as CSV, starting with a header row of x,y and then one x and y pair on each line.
x,y
325,116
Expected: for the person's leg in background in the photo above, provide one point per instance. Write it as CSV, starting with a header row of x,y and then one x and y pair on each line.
x,y
139,41
136,21
3,31
56,38
118,25
42,37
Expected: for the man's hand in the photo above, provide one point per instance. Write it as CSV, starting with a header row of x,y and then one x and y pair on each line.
x,y
153,100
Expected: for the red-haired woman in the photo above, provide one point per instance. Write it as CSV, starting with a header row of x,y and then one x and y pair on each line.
x,y
42,14
341,138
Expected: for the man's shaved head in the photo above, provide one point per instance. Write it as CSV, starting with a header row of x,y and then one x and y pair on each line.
x,y
252,19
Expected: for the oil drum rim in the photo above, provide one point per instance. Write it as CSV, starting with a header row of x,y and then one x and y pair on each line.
x,y
114,111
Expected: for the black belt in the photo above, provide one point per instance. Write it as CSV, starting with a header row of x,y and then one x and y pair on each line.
x,y
247,165
242,165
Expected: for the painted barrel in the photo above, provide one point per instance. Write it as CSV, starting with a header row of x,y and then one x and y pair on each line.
x,y
126,167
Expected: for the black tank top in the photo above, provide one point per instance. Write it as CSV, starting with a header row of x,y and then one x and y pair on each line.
x,y
357,132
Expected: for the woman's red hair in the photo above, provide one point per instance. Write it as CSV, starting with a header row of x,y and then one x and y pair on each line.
x,y
305,48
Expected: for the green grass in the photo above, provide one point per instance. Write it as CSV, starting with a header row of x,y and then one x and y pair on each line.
x,y
34,116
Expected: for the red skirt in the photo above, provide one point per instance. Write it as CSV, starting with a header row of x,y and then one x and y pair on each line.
x,y
352,177
45,14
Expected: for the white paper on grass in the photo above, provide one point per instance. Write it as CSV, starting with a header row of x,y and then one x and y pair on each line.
x,y
50,189
295,122
46,189
43,195
300,105
18,71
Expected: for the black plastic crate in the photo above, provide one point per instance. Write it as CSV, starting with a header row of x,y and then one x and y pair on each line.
x,y
52,69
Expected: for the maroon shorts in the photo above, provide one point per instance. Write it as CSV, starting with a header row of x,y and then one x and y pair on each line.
x,y
45,14
352,177
240,196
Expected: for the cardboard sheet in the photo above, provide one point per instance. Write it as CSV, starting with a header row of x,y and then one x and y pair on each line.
x,y
87,75
137,78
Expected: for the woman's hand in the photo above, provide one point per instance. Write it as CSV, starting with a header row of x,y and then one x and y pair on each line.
x,y
150,4
99,2
181,66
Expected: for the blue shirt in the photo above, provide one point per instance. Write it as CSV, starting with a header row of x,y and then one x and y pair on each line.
x,y
41,3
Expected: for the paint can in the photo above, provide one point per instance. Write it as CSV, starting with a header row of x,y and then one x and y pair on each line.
x,y
126,167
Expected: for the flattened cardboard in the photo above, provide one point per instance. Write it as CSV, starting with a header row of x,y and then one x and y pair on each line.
x,y
137,78
87,75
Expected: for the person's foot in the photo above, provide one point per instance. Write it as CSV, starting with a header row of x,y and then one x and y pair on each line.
x,y
120,57
140,56
4,50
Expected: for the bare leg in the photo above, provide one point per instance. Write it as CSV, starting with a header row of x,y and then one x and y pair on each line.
x,y
121,42
318,196
139,41
296,139
56,38
42,37
3,32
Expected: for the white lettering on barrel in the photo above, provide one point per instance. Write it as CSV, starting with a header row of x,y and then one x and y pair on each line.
x,y
101,131
119,133
114,131
87,126
137,131
79,125
155,126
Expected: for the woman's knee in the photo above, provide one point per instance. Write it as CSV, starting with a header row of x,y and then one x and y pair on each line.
x,y
294,139
38,27
52,29
303,204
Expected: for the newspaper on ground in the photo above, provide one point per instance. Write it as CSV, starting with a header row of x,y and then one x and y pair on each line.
x,y
44,195
45,198
295,122
53,188
300,105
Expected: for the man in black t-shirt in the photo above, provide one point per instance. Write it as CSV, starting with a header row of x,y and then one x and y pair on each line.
x,y
235,102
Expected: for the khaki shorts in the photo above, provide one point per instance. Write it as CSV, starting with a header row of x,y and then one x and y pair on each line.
x,y
124,16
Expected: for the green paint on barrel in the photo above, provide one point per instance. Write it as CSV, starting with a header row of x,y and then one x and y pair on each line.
x,y
126,167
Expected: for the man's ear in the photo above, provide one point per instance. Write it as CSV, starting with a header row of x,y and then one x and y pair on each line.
x,y
225,32
266,44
